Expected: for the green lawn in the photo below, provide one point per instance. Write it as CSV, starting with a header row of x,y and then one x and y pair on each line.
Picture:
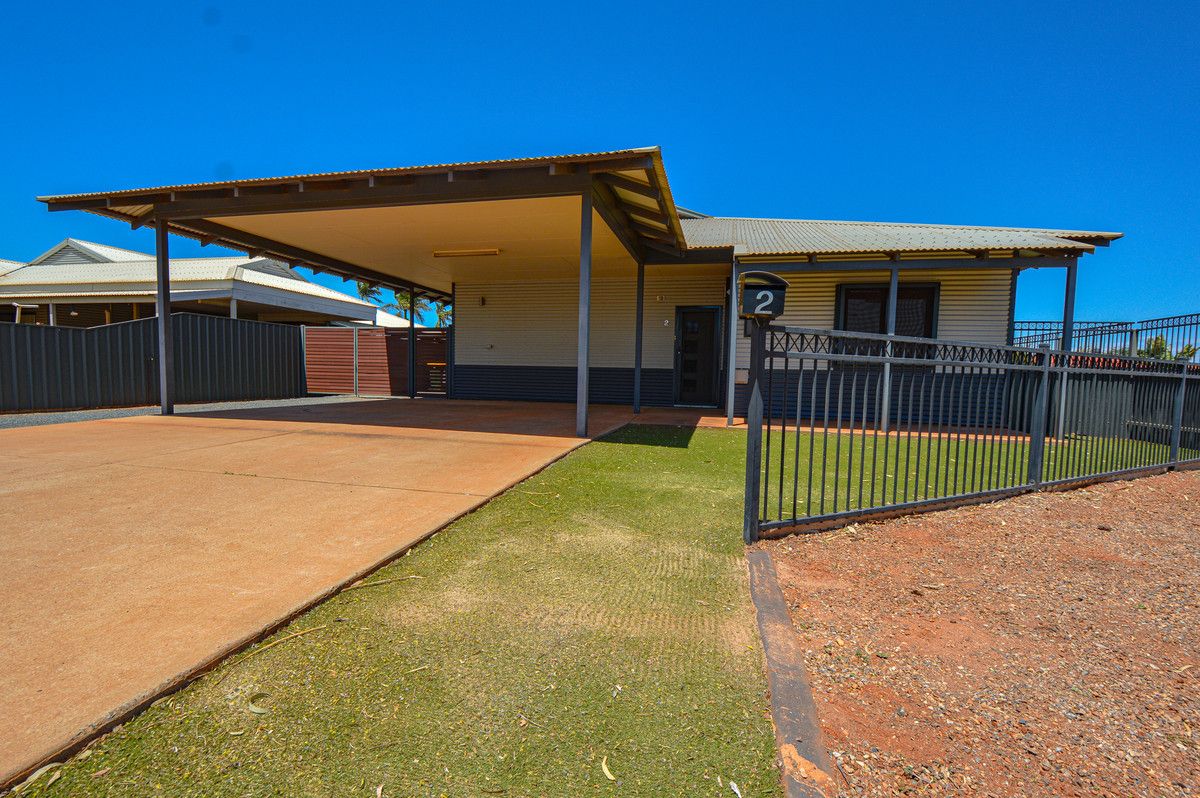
x,y
855,470
596,613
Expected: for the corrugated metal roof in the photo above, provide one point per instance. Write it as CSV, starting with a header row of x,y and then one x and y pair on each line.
x,y
79,251
815,237
56,277
7,266
391,170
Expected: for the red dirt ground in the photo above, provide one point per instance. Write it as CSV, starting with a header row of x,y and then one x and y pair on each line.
x,y
1042,645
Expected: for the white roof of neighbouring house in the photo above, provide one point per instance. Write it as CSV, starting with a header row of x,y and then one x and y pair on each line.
x,y
76,268
7,266
382,319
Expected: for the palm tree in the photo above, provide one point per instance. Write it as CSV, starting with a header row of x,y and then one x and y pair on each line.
x,y
444,314
403,308
368,292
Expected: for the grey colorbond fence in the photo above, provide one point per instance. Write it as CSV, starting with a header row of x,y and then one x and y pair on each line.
x,y
216,359
834,436
1163,338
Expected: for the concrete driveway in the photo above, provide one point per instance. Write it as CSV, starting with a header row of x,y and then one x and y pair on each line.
x,y
136,551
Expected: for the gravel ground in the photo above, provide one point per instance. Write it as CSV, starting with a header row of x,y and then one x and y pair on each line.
x,y
9,420
1043,645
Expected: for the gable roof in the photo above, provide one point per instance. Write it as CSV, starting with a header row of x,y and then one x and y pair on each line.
x,y
750,237
7,266
49,276
73,250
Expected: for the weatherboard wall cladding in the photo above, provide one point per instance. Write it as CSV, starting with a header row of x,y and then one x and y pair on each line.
x,y
972,303
115,365
535,323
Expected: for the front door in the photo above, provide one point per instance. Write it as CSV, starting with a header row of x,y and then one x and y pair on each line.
x,y
697,355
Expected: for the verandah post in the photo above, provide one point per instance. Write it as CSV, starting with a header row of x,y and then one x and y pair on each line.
x,y
731,351
1037,422
754,422
637,338
585,310
885,412
412,342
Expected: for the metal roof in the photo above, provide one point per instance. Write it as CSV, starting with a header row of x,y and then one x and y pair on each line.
x,y
629,188
357,173
751,237
109,278
634,180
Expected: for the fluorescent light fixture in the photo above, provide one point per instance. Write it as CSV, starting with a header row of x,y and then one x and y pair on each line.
x,y
464,253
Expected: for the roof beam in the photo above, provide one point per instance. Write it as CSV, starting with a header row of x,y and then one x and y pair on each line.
x,y
632,186
381,191
799,265
722,255
605,204
248,242
646,213
653,232
622,164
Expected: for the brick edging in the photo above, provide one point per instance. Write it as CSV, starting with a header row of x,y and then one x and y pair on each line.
x,y
806,769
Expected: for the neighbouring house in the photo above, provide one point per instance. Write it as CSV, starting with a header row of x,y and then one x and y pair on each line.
x,y
85,284
382,319
578,278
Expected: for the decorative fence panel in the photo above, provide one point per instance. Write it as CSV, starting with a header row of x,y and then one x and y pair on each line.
x,y
1166,338
373,361
845,426
216,359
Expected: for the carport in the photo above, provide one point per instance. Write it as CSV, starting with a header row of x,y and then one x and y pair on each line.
x,y
423,229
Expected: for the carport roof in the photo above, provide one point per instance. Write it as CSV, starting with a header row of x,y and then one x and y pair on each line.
x,y
628,188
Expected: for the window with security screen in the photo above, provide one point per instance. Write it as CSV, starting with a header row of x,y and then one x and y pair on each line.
x,y
863,308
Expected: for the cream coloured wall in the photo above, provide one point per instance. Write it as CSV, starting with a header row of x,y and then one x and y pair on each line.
x,y
972,306
535,323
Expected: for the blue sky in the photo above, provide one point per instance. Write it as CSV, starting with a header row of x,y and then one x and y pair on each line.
x,y
1076,115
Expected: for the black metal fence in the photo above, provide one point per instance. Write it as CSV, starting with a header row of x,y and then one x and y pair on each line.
x,y
845,426
216,359
1167,338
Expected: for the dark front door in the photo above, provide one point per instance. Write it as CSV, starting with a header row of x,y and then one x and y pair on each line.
x,y
697,355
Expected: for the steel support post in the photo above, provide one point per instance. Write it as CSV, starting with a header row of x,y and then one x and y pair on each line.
x,y
166,341
754,423
585,311
637,338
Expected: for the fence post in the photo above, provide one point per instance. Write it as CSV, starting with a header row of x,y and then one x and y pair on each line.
x,y
1037,423
754,422
1177,411
354,359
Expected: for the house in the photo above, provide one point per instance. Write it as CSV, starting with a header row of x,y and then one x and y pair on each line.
x,y
85,284
578,278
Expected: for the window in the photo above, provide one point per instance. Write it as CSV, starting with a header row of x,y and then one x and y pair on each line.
x,y
863,308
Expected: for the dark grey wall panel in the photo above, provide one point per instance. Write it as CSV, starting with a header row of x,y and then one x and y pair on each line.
x,y
557,384
216,359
